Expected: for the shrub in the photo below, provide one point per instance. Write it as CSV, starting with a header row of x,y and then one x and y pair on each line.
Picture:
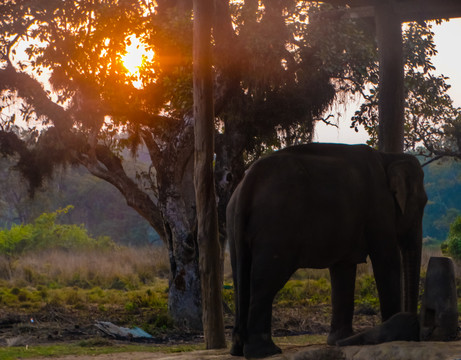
x,y
228,296
293,291
44,233
367,300
307,291
15,240
452,246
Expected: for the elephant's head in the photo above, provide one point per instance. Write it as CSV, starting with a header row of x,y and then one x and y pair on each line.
x,y
405,179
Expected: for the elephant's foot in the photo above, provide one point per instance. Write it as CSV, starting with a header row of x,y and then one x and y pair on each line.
x,y
237,348
335,336
260,348
237,344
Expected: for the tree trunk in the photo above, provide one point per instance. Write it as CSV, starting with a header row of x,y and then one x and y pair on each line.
x,y
391,78
184,295
207,218
229,170
176,198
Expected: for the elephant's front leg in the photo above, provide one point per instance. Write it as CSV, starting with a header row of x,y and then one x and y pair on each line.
x,y
387,272
342,299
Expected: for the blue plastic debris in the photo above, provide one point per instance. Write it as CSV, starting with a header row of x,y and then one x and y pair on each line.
x,y
122,333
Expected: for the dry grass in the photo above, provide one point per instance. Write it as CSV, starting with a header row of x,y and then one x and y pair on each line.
x,y
427,254
362,269
127,267
86,269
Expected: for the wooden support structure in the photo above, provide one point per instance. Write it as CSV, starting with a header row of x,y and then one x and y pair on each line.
x,y
408,10
389,15
207,217
391,103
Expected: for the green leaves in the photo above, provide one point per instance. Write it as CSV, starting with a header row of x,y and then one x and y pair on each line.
x,y
16,240
44,233
452,247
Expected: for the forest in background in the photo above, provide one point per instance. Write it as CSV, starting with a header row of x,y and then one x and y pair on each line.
x,y
96,204
443,186
103,211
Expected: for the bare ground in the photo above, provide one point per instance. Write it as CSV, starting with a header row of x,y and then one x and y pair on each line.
x,y
65,325
56,324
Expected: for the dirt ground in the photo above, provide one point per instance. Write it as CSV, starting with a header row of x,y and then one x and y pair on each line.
x,y
58,325
64,326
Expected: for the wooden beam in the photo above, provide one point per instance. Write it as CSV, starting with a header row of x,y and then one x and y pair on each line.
x,y
349,3
428,10
416,10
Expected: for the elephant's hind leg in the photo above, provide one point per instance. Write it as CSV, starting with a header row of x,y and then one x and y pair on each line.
x,y
241,276
265,283
342,299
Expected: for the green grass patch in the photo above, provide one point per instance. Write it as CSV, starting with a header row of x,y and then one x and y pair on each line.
x,y
101,346
304,291
91,348
153,296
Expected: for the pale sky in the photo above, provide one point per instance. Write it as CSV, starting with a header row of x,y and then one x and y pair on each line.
x,y
447,62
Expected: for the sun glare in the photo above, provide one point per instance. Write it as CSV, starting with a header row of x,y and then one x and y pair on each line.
x,y
136,54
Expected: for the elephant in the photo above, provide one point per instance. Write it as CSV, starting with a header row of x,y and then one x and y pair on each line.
x,y
323,206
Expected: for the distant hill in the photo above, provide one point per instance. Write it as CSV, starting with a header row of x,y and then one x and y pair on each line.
x,y
443,186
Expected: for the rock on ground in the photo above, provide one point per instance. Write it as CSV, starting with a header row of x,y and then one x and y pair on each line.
x,y
387,351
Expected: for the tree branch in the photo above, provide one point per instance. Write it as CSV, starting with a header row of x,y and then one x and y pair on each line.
x,y
33,93
114,173
435,158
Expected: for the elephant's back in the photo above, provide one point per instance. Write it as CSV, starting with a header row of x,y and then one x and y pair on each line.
x,y
305,201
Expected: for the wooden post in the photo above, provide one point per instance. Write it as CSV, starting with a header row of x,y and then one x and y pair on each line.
x,y
391,77
207,217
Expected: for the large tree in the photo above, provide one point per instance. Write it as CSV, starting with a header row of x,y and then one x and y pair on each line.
x,y
275,74
96,112
91,109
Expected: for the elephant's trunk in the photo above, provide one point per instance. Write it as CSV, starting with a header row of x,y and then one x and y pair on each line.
x,y
411,264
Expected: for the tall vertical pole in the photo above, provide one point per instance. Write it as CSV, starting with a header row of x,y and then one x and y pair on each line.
x,y
391,77
207,216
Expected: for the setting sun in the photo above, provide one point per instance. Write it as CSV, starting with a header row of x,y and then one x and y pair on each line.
x,y
136,54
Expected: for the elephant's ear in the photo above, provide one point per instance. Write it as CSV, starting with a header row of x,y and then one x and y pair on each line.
x,y
397,175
